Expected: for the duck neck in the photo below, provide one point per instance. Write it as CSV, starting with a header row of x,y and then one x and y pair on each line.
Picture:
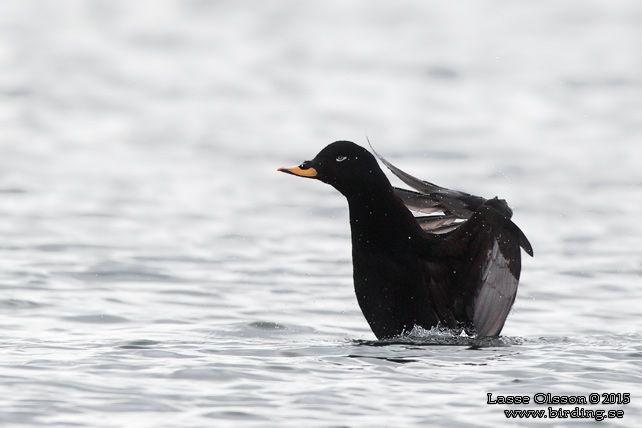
x,y
380,220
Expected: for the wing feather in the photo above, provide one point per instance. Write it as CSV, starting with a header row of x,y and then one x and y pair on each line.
x,y
492,275
497,292
473,273
485,254
455,202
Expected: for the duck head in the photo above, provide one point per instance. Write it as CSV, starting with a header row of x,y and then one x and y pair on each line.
x,y
344,165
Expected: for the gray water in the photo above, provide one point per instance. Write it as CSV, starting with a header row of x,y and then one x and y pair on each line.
x,y
156,270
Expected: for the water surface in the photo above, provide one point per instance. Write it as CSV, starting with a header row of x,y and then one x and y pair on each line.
x,y
156,270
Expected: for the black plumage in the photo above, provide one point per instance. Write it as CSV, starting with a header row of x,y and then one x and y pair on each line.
x,y
457,267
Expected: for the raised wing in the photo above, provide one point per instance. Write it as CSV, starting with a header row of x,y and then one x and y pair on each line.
x,y
459,204
473,272
453,206
486,251
430,198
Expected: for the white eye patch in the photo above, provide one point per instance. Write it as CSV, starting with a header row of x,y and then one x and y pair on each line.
x,y
341,158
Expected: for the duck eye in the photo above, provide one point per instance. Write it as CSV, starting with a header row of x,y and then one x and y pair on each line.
x,y
341,158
